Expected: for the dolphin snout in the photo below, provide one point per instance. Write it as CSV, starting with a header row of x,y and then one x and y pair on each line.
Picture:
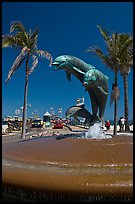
x,y
56,64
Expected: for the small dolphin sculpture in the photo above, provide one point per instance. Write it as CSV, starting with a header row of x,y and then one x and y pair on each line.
x,y
80,111
95,82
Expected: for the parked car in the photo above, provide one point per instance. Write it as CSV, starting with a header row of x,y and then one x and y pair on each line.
x,y
58,124
4,127
37,123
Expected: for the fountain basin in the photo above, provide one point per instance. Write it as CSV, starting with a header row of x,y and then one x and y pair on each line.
x,y
84,166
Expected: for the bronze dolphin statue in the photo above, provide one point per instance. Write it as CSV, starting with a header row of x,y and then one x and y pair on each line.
x,y
96,85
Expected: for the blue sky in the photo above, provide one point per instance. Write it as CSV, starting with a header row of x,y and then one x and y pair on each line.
x,y
65,28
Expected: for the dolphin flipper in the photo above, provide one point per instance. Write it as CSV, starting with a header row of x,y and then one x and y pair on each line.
x,y
101,89
94,102
102,100
68,75
78,70
106,77
76,118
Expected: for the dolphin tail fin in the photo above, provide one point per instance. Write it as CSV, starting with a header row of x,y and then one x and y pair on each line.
x,y
91,120
95,119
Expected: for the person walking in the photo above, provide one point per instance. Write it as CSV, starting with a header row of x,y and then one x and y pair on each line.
x,y
122,123
107,124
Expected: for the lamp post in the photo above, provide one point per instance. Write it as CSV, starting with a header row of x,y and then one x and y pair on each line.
x,y
60,112
52,112
35,114
80,101
22,108
28,104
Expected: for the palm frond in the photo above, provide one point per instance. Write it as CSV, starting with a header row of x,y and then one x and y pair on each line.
x,y
104,33
22,38
34,34
125,47
12,41
17,26
20,32
123,38
45,54
105,58
34,64
8,41
96,51
33,38
18,61
112,45
114,95
126,53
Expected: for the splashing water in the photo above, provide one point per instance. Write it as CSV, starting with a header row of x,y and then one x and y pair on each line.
x,y
95,132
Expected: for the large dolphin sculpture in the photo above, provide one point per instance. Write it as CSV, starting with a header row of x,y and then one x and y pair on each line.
x,y
72,65
80,111
95,82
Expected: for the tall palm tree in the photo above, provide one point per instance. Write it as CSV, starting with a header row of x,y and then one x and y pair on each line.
x,y
26,43
126,63
111,60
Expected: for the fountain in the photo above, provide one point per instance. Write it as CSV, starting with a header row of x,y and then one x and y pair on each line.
x,y
95,132
68,169
90,167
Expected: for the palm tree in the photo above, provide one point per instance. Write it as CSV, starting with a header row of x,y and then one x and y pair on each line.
x,y
112,61
126,63
26,44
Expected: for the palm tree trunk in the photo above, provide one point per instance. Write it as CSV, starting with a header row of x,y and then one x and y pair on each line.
x,y
115,107
126,101
25,102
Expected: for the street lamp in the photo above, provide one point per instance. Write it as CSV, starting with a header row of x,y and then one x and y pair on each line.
x,y
35,114
22,109
28,106
60,112
77,101
80,101
52,112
